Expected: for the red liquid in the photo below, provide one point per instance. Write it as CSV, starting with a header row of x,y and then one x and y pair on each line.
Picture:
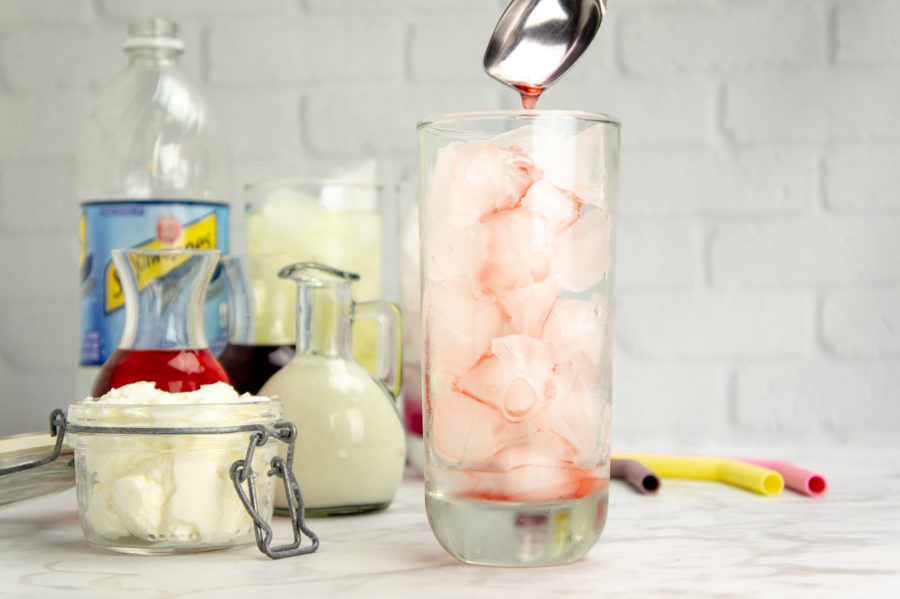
x,y
174,371
250,366
529,95
412,398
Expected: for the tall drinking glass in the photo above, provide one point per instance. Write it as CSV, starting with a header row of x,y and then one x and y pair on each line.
x,y
517,225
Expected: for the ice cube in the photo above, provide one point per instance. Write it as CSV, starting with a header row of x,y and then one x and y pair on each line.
x,y
583,253
573,162
528,307
591,179
460,324
575,414
437,197
488,178
530,483
558,207
518,250
452,252
541,448
522,137
468,433
577,325
516,378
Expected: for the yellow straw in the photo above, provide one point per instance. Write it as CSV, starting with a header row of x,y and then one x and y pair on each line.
x,y
755,478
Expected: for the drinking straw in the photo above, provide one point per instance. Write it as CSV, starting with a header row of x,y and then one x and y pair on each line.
x,y
641,478
795,478
749,476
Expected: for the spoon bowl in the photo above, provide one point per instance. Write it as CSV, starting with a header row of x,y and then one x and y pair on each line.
x,y
536,41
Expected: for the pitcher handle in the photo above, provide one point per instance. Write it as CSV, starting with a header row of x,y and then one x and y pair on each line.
x,y
390,342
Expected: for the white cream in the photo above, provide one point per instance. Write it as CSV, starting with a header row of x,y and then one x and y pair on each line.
x,y
167,491
350,447
147,394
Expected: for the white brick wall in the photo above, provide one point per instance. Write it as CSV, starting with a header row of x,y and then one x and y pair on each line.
x,y
759,246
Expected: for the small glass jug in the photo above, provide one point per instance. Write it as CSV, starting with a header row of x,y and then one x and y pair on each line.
x,y
163,291
350,443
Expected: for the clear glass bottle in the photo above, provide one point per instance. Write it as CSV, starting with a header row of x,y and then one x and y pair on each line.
x,y
153,171
350,448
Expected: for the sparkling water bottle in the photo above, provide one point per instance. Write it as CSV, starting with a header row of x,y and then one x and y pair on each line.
x,y
153,171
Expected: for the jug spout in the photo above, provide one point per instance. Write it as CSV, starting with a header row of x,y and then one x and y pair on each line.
x,y
324,309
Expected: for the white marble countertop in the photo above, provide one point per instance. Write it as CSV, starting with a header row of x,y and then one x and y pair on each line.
x,y
694,539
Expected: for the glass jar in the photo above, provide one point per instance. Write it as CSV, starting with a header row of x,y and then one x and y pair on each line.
x,y
517,233
157,478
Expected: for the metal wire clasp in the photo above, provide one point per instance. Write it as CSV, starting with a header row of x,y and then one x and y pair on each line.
x,y
58,430
242,472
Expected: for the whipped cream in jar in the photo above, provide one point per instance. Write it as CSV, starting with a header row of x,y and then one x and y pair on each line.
x,y
160,472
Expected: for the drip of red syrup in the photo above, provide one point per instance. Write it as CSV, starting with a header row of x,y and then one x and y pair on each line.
x,y
174,371
529,95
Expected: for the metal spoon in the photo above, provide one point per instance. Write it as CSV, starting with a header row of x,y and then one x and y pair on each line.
x,y
536,41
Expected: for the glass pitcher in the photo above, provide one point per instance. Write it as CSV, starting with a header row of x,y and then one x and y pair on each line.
x,y
350,443
163,291
342,221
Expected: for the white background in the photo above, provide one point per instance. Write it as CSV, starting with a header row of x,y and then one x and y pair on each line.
x,y
759,247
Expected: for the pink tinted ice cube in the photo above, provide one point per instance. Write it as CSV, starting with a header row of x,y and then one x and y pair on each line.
x,y
575,325
583,252
574,415
516,378
558,207
529,483
540,448
468,433
460,324
528,307
517,249
487,178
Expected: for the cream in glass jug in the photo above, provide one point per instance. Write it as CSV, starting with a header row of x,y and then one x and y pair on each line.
x,y
350,449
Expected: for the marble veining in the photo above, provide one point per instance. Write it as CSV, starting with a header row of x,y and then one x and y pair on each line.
x,y
694,539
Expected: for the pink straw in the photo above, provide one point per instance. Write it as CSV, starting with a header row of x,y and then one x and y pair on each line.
x,y
639,476
795,478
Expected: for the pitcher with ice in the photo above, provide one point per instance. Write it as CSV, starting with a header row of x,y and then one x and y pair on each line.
x,y
518,214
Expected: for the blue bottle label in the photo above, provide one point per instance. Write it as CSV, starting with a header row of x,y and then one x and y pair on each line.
x,y
105,226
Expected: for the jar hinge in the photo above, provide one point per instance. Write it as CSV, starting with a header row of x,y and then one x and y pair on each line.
x,y
242,471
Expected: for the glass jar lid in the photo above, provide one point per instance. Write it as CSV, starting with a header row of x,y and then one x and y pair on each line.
x,y
50,477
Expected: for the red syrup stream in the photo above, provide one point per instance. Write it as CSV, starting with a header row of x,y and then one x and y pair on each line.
x,y
529,95
174,371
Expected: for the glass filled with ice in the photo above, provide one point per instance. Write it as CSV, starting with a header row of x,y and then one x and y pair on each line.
x,y
517,229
